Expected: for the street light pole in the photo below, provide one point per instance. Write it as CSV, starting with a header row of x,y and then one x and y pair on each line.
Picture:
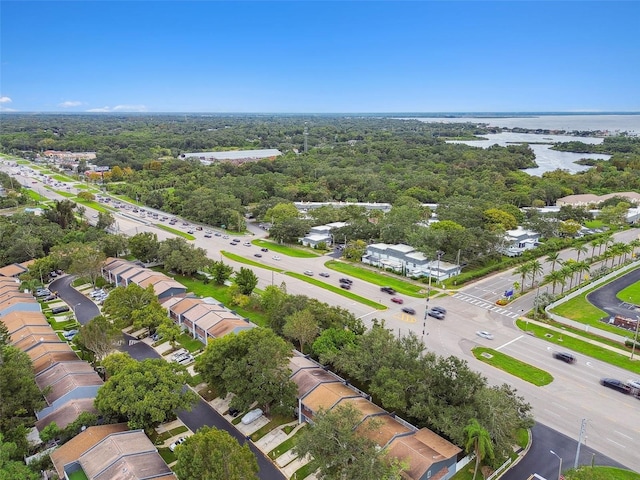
x,y
560,467
426,312
635,338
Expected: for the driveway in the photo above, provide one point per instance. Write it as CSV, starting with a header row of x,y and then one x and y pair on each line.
x,y
83,307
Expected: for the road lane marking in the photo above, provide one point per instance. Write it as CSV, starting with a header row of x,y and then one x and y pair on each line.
x,y
510,342
622,434
619,444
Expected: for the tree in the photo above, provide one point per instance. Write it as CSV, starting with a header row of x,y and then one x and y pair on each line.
x,y
579,249
212,454
342,448
535,269
281,212
254,365
555,277
479,442
121,305
301,327
99,337
220,271
246,280
355,250
62,213
182,257
10,467
554,258
105,220
330,342
497,219
114,245
144,246
524,271
145,393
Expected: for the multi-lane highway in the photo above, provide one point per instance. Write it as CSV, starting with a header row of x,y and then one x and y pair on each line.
x,y
613,426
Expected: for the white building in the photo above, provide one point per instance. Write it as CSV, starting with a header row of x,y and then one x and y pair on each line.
x,y
406,260
519,240
321,234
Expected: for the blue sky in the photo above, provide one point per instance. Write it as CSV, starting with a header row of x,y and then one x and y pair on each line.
x,y
319,57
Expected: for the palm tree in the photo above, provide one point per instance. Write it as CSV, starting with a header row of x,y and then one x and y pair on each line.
x,y
579,268
634,245
580,249
523,270
479,442
555,277
535,268
595,243
568,271
554,258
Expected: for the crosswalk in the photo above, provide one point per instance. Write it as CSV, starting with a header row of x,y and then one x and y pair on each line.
x,y
482,303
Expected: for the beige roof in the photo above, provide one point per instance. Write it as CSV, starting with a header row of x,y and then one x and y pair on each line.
x,y
309,378
120,269
120,456
49,359
61,370
12,270
418,452
387,428
205,308
227,326
110,261
71,451
10,281
69,383
161,287
145,274
185,304
587,198
131,272
27,342
363,405
169,302
67,413
326,395
17,320
16,298
9,288
44,348
29,330
299,361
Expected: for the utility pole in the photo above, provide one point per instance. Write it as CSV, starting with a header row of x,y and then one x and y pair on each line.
x,y
306,136
426,312
583,429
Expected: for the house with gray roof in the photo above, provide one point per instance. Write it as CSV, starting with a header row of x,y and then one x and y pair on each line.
x,y
406,260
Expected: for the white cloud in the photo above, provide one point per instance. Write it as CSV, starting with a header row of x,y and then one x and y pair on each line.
x,y
5,100
70,103
5,109
120,108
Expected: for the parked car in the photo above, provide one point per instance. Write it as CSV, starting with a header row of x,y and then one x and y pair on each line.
x,y
308,272
388,290
615,384
436,314
409,310
484,334
252,416
179,353
234,412
190,232
324,274
186,360
49,298
198,227
57,310
43,292
564,356
179,441
397,300
69,334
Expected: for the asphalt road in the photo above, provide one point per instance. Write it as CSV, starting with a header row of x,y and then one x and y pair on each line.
x,y
83,307
605,297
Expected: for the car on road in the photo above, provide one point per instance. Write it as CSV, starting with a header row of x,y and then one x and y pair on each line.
x,y
257,255
388,290
308,273
442,310
346,286
409,310
276,257
397,300
346,280
179,441
324,274
436,314
634,383
264,249
191,232
226,237
484,334
252,416
564,356
247,244
615,384
207,234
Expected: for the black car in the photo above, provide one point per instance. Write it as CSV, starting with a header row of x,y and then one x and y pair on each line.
x,y
615,384
234,412
264,249
564,356
436,314
388,290
346,280
57,310
409,310
442,310
346,286
257,255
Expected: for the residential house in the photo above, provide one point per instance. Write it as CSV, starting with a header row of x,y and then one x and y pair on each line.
x,y
321,234
14,270
122,273
517,241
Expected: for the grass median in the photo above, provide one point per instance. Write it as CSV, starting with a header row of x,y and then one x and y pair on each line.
x,y
513,366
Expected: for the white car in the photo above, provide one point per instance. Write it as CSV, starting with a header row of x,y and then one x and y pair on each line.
x,y
252,416
634,383
276,257
179,441
483,334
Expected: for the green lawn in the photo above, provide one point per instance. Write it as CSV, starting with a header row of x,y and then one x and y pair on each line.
x,y
303,472
513,366
190,343
167,455
631,294
582,346
401,286
285,446
291,251
275,422
248,261
175,231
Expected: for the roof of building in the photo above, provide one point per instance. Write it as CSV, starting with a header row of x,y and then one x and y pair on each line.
x,y
386,428
587,198
51,358
18,320
309,378
299,361
13,270
29,330
82,442
18,299
69,383
68,413
227,326
326,395
61,370
27,342
235,154
184,304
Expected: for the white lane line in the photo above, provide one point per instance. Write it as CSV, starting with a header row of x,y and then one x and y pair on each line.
x,y
559,405
619,444
510,342
551,412
622,434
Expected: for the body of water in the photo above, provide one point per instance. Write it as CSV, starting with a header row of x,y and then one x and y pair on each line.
x,y
547,159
